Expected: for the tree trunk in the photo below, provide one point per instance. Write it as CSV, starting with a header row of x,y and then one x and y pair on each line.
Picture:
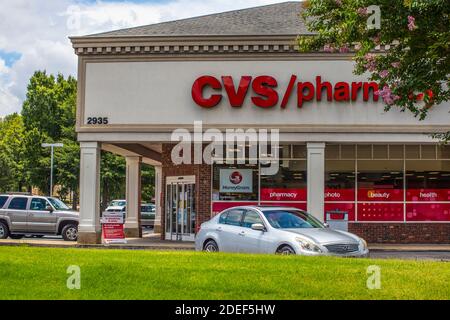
x,y
105,196
74,200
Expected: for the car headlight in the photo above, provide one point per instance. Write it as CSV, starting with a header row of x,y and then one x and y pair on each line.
x,y
363,243
308,245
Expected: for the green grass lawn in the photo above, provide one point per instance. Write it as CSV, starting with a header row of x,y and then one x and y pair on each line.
x,y
41,273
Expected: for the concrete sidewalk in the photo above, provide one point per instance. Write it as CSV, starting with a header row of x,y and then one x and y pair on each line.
x,y
148,242
153,242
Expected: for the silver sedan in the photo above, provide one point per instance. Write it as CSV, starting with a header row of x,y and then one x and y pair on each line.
x,y
283,230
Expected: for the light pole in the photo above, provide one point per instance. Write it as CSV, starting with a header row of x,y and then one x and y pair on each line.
x,y
52,146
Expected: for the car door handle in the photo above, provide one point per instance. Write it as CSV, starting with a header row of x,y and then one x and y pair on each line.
x,y
242,233
219,229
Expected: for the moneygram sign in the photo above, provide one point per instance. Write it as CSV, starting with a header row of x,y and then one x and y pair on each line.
x,y
266,93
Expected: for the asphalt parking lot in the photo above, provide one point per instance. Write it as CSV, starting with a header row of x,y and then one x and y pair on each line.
x,y
414,255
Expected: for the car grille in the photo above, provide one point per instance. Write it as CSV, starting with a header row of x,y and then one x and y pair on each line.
x,y
342,248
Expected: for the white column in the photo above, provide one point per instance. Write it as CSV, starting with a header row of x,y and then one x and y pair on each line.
x,y
316,179
158,191
89,225
133,197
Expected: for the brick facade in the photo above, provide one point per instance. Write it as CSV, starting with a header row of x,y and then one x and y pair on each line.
x,y
432,233
202,173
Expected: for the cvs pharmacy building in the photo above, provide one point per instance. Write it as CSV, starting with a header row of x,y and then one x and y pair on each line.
x,y
341,157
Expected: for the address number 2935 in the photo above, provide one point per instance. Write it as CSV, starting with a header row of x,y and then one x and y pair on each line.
x,y
97,120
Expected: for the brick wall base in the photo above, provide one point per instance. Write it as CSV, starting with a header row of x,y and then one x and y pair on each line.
x,y
402,232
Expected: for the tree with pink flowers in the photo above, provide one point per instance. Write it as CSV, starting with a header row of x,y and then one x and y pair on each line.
x,y
407,52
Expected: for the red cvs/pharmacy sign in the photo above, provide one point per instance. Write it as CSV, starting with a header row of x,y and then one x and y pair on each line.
x,y
266,93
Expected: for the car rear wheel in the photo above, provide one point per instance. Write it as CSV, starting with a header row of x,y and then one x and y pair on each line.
x,y
285,250
211,246
4,232
70,232
16,236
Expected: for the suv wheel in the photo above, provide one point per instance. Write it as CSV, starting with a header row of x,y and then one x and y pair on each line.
x,y
211,246
70,232
4,232
16,236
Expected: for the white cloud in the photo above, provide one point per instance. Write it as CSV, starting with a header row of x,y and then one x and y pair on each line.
x,y
39,31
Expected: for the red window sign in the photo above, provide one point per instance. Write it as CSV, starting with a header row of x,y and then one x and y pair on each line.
x,y
428,195
337,210
339,194
428,211
298,205
220,206
380,194
266,92
380,212
283,194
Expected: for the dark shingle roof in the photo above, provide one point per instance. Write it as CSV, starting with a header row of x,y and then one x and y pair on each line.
x,y
277,19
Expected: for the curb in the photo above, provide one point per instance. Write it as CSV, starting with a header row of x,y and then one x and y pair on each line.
x,y
408,250
93,246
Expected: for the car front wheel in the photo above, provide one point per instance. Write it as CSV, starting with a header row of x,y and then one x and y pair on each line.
x,y
70,232
285,250
211,246
4,232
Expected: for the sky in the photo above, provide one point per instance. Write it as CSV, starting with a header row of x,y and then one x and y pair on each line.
x,y
34,33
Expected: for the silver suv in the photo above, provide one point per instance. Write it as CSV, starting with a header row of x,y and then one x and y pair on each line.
x,y
22,215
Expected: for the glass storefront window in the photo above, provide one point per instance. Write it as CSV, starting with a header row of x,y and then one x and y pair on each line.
x,y
428,190
366,182
339,180
235,182
340,189
380,180
380,190
289,184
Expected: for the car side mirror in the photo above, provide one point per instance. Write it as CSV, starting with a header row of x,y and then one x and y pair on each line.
x,y
49,208
258,227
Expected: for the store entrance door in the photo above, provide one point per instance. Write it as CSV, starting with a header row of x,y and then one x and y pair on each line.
x,y
180,208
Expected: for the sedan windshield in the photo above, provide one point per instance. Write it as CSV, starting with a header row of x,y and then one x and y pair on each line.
x,y
291,219
147,209
58,204
118,203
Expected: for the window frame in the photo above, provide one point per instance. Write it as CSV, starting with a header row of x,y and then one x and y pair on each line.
x,y
19,197
240,221
43,199
257,213
4,203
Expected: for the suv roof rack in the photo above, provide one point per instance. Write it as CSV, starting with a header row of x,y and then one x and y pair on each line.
x,y
18,193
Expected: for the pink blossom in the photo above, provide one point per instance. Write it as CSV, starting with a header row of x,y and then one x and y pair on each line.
x,y
387,96
396,65
328,48
384,73
338,2
411,23
344,49
358,46
362,11
376,39
371,63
